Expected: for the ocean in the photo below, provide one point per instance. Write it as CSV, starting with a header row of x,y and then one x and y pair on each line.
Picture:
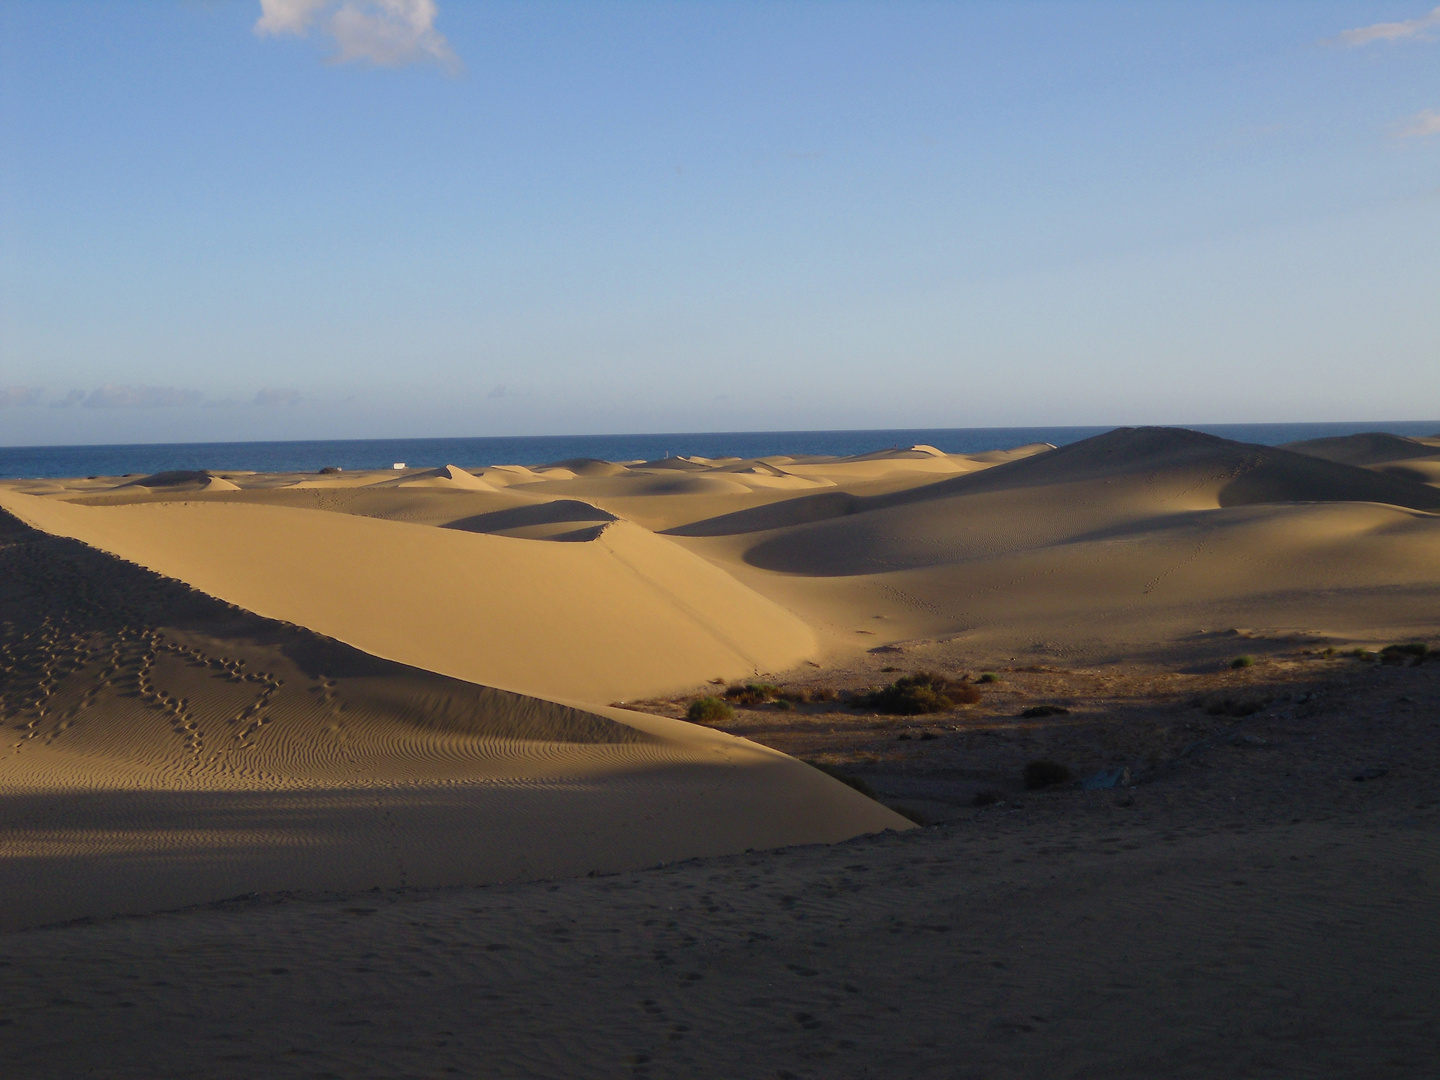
x,y
309,456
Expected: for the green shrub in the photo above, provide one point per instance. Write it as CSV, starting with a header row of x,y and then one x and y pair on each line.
x,y
1242,662
988,677
1363,654
1045,773
923,692
709,710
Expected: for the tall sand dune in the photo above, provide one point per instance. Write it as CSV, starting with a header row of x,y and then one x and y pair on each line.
x,y
162,748
628,614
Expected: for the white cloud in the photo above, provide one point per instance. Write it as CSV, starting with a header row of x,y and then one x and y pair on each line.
x,y
111,396
388,33
19,395
1419,125
287,16
1393,31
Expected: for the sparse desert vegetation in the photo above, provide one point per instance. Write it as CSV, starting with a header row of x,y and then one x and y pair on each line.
x,y
709,710
922,692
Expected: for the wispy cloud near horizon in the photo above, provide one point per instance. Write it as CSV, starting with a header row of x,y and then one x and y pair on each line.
x,y
386,33
1393,31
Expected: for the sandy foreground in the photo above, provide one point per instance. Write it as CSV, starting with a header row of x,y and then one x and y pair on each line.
x,y
385,774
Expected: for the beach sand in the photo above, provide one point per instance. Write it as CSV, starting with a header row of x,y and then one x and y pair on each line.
x,y
405,714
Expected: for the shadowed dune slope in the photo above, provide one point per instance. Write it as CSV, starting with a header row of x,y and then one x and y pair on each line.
x,y
160,748
626,615
571,512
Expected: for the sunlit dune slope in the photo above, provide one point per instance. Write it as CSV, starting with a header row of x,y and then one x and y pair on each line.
x,y
1137,536
623,615
160,748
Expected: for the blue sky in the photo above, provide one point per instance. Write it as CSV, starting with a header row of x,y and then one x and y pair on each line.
x,y
381,218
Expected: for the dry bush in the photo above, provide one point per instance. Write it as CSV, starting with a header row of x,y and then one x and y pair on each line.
x,y
923,692
709,710
752,693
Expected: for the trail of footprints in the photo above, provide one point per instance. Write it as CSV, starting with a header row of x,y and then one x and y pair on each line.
x,y
185,723
75,631
34,669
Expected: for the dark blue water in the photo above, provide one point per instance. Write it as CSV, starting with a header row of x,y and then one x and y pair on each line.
x,y
143,458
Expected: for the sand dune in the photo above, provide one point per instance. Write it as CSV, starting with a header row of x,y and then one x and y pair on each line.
x,y
1368,448
560,519
587,467
1404,458
1422,472
447,477
163,748
183,480
1062,495
1139,536
625,615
